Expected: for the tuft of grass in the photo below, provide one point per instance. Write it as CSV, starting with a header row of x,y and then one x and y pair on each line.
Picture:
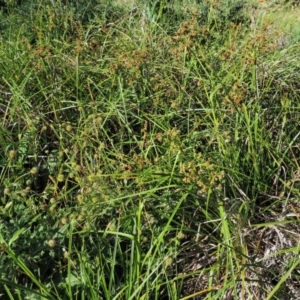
x,y
148,150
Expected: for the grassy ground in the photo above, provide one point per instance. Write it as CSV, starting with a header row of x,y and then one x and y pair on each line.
x,y
149,151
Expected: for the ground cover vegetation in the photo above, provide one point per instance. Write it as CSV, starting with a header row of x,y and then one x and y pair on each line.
x,y
149,149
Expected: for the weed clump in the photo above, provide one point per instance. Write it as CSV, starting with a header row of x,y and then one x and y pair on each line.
x,y
145,151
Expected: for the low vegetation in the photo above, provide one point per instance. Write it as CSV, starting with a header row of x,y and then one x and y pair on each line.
x,y
149,149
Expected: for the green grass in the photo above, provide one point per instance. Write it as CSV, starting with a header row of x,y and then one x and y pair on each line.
x,y
149,151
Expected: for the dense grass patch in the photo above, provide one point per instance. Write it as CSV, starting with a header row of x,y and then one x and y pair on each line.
x,y
148,150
